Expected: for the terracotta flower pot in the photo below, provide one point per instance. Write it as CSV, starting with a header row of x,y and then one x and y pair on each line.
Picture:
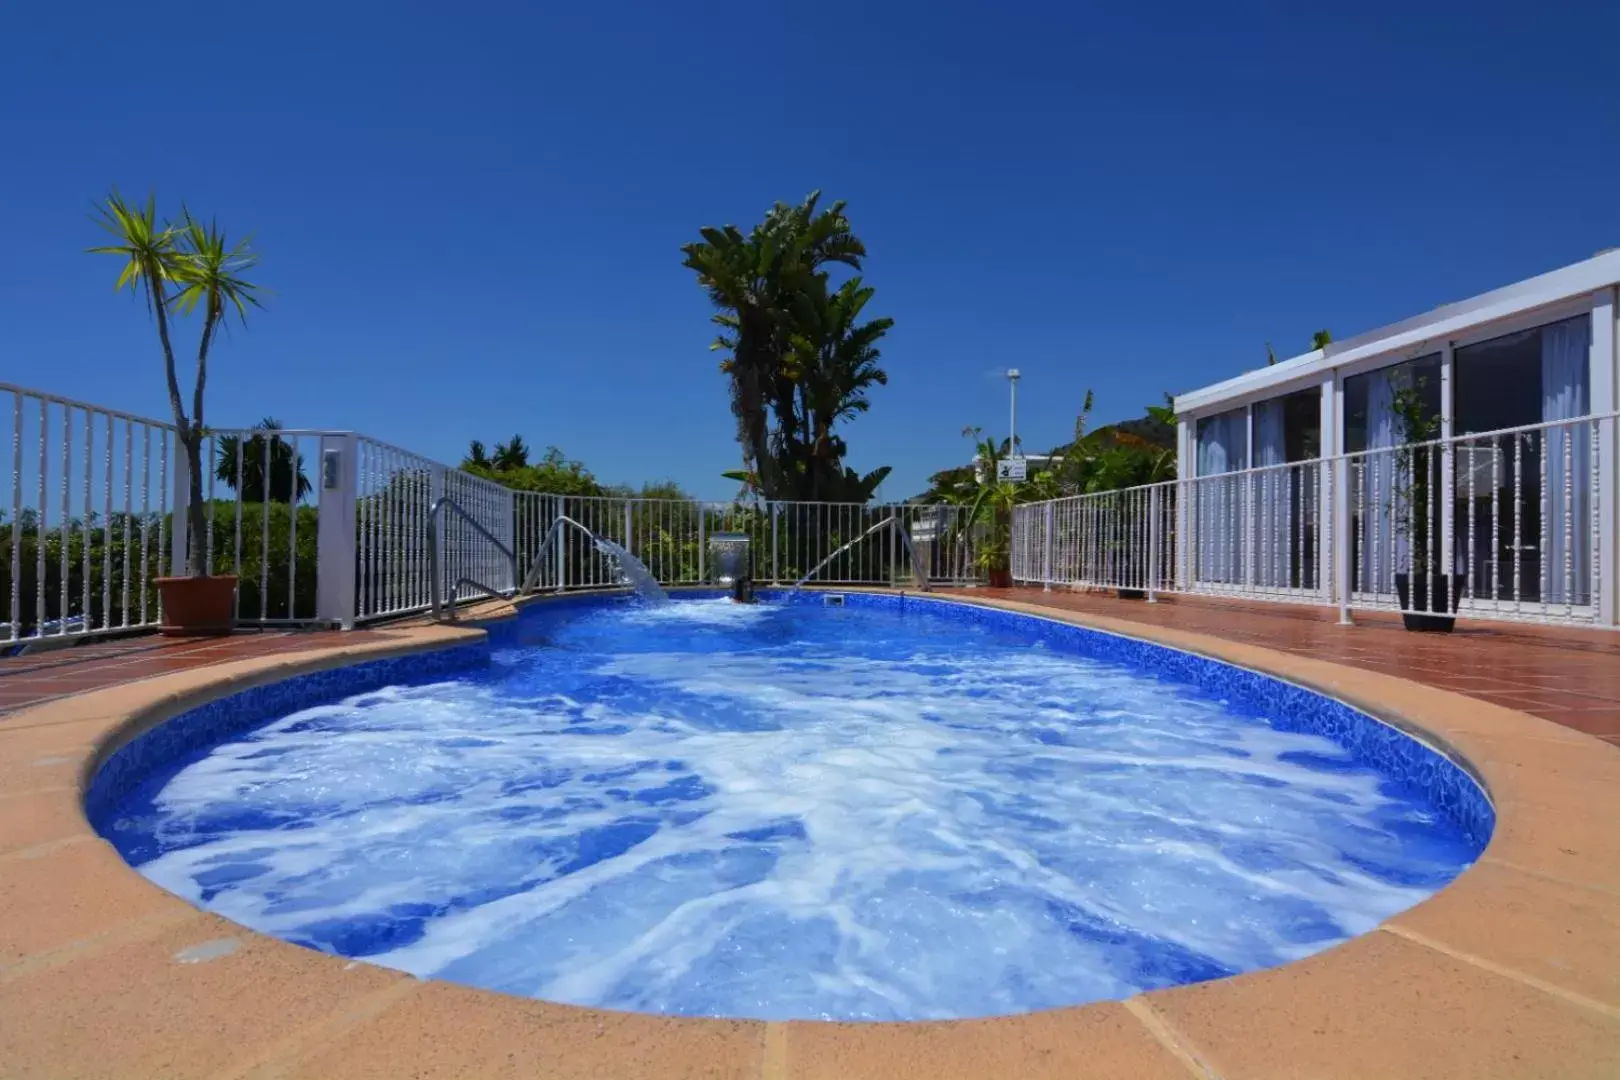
x,y
198,607
1001,579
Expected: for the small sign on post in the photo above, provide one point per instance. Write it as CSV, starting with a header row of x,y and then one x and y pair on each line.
x,y
1012,468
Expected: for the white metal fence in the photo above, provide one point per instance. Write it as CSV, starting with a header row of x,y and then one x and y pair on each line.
x,y
1505,524
260,523
1509,522
332,527
786,540
87,526
396,492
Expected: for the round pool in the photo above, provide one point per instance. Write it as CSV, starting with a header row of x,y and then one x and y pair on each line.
x,y
881,809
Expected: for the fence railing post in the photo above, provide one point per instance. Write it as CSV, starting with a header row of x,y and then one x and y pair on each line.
x,y
1186,492
336,540
776,549
1605,398
703,543
1327,527
1046,554
1341,527
559,507
1249,533
895,510
1153,545
1607,526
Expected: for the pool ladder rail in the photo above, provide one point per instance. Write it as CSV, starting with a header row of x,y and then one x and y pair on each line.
x,y
444,608
891,522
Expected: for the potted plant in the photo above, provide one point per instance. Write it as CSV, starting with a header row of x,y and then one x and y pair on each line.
x,y
1428,595
994,509
994,558
177,268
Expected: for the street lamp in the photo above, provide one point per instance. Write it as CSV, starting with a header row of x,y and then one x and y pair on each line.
x,y
1012,425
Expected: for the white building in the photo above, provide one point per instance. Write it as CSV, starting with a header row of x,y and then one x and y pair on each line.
x,y
1517,495
1469,450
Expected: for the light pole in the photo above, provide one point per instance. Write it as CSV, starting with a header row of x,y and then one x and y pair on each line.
x,y
1012,423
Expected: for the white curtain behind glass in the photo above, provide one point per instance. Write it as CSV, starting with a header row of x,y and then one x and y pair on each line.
x,y
1566,529
1223,450
1382,550
1272,495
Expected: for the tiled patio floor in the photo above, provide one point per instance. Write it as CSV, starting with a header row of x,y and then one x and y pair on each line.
x,y
1571,677
43,676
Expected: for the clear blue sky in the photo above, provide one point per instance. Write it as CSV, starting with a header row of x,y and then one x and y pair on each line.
x,y
470,213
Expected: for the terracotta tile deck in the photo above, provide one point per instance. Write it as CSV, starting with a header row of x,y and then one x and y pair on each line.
x,y
1571,677
56,673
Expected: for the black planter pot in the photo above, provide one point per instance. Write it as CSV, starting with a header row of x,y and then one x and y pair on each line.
x,y
1417,603
1131,594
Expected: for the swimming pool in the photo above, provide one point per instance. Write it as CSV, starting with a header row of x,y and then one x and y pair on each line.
x,y
893,809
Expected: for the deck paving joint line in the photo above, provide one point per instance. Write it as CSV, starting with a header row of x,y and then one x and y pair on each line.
x,y
1589,886
112,714
125,933
1173,1041
291,1051
1504,971
773,1063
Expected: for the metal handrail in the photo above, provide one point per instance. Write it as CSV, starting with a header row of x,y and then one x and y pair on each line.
x,y
437,579
887,523
539,563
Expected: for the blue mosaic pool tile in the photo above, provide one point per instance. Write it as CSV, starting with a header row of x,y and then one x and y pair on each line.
x,y
216,720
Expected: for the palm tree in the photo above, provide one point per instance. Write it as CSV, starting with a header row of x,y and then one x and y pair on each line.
x,y
151,260
510,455
288,482
476,456
759,283
834,362
197,261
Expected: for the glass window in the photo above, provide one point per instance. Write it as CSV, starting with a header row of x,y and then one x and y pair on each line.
x,y
1367,404
1288,429
1502,383
1223,442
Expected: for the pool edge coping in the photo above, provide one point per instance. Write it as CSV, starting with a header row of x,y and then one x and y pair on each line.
x,y
1530,768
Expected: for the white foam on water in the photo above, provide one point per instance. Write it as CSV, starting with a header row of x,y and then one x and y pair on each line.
x,y
789,828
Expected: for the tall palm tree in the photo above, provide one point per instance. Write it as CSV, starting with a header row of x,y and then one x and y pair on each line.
x,y
203,269
288,481
834,364
757,282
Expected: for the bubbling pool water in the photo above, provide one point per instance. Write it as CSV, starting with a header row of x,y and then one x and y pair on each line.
x,y
791,812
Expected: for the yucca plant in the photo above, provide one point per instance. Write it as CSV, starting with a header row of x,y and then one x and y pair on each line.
x,y
177,268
